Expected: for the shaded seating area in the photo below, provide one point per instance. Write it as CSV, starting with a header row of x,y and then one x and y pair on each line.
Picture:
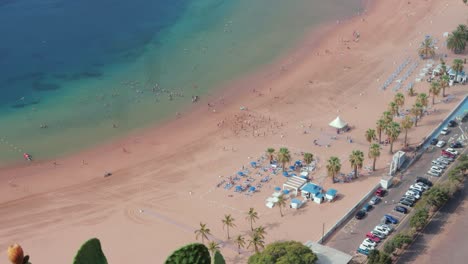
x,y
294,183
339,124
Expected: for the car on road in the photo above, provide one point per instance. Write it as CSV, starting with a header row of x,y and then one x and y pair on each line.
x,y
391,219
373,237
360,215
363,251
452,123
456,145
448,154
378,234
438,164
451,150
380,192
445,131
440,144
401,209
381,230
424,180
369,242
375,200
407,202
434,141
367,207
413,193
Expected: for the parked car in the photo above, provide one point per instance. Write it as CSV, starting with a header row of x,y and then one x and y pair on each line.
x,y
457,144
445,131
363,251
369,247
448,154
373,237
360,215
422,185
381,230
380,192
438,164
414,194
378,234
409,197
452,123
401,209
388,227
375,200
407,202
424,180
451,150
369,242
435,168
440,144
367,207
445,158
417,188
391,219
434,173
434,141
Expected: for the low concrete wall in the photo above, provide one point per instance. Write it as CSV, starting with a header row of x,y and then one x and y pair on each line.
x,y
348,215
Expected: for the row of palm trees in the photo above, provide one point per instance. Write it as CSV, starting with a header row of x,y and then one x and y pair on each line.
x,y
256,239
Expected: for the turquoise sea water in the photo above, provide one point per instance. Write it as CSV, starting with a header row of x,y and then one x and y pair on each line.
x,y
79,67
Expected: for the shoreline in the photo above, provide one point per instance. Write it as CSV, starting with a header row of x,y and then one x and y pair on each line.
x,y
173,176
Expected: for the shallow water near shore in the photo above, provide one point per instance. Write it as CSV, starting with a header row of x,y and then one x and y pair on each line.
x,y
88,72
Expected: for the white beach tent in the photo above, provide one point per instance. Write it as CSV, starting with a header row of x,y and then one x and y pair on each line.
x,y
294,183
338,123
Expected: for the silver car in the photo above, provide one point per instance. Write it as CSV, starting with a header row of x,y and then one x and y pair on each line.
x,y
434,173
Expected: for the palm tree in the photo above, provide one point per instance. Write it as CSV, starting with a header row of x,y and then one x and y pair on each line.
x,y
213,247
457,66
417,111
393,131
284,156
393,108
270,153
444,83
260,231
374,153
240,242
400,101
456,42
333,167
252,216
203,232
281,203
434,90
257,242
308,158
406,124
387,117
356,159
422,99
380,126
370,135
411,91
228,221
464,30
426,50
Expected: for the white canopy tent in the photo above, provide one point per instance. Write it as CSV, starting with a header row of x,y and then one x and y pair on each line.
x,y
294,183
338,123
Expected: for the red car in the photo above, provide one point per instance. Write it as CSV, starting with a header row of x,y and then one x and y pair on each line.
x,y
380,192
447,154
373,237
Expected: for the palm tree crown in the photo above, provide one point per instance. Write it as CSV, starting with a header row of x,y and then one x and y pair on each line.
x,y
213,247
260,231
434,90
457,66
374,153
380,126
270,153
393,131
356,158
203,232
308,158
240,242
417,111
228,222
257,242
252,215
427,50
456,41
393,108
281,203
370,135
399,100
444,83
333,167
406,124
284,156
422,99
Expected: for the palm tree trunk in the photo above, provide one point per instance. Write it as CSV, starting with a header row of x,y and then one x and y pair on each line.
x,y
256,248
443,92
406,135
238,249
251,224
227,228
433,99
380,136
391,147
355,171
281,211
416,121
373,164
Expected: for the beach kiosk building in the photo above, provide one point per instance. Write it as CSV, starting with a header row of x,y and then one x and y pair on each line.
x,y
294,183
331,195
312,191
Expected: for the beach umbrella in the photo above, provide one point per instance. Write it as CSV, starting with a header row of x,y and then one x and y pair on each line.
x,y
304,177
253,164
285,173
286,191
292,167
293,174
277,188
298,162
240,173
252,188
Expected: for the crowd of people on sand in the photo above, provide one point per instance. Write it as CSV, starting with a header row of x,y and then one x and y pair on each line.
x,y
251,124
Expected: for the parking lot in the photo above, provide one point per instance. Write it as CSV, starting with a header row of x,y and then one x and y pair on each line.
x,y
353,233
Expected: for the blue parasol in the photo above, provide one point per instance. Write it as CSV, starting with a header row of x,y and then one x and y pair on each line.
x,y
277,188
286,191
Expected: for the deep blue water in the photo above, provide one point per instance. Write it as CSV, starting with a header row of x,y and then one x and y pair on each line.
x,y
46,42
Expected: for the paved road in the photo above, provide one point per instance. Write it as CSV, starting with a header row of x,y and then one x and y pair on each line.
x,y
353,233
452,221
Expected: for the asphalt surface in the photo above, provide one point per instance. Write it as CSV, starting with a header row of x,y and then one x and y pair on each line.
x,y
353,233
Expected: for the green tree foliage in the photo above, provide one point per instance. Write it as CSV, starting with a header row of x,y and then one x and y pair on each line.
x,y
356,158
398,241
308,158
191,253
374,153
437,196
284,253
456,41
333,167
90,253
419,219
218,258
427,50
377,257
284,157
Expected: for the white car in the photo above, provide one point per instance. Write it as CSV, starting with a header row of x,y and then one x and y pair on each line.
x,y
364,247
445,131
409,197
440,144
446,158
389,228
368,242
434,173
417,188
422,185
451,150
381,230
439,164
435,168
414,194
443,161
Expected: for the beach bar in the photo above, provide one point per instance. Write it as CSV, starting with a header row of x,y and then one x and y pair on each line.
x,y
331,195
312,191
294,183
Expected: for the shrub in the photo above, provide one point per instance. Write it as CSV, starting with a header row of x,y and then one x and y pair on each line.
x,y
377,257
90,253
284,253
218,258
191,253
419,219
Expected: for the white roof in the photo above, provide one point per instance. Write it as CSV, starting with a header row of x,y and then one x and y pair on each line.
x,y
294,183
328,255
338,123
